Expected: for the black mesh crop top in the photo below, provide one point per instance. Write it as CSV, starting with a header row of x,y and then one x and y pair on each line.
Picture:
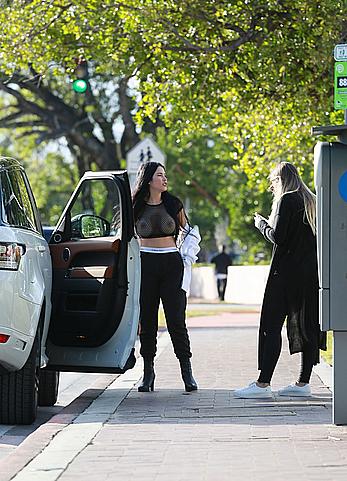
x,y
155,222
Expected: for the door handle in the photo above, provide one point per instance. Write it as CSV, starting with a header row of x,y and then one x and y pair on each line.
x,y
41,248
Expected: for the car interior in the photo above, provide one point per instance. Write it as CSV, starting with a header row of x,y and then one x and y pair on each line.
x,y
89,256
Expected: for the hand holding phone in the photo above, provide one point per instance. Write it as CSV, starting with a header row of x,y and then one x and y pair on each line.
x,y
257,219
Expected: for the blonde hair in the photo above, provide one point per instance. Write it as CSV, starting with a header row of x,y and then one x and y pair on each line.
x,y
290,181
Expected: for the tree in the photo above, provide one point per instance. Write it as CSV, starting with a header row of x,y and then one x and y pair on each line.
x,y
251,74
205,172
191,56
49,109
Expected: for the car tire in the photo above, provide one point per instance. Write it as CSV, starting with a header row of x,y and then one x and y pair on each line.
x,y
19,390
48,389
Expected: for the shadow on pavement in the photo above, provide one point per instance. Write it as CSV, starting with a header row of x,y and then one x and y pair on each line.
x,y
217,406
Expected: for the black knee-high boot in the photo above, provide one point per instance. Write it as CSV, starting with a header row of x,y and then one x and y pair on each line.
x,y
148,375
187,375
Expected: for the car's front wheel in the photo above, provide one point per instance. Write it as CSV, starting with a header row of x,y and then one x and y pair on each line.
x,y
48,390
19,390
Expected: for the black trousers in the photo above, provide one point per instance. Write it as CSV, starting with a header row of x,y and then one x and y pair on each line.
x,y
274,313
221,286
161,278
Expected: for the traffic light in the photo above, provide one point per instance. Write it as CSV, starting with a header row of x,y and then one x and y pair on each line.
x,y
80,84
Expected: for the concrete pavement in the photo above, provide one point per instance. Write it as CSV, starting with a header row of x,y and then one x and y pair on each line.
x,y
207,435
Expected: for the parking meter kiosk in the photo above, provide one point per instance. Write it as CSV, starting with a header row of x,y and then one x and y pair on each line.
x,y
330,175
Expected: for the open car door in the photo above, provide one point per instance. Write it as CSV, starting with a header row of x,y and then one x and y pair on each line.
x,y
96,278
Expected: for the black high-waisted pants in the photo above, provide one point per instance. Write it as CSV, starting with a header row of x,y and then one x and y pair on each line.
x,y
161,278
273,315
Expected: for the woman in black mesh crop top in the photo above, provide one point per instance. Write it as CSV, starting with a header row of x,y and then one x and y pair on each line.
x,y
159,217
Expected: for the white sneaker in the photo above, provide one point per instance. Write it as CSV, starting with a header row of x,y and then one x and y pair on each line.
x,y
293,390
253,391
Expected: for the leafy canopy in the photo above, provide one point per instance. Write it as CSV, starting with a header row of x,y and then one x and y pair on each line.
x,y
193,57
252,75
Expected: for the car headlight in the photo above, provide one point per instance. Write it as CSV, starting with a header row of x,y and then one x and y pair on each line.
x,y
10,255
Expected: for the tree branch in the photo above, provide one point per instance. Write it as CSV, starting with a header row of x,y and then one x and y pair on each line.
x,y
61,120
18,125
130,137
271,21
197,186
23,104
63,8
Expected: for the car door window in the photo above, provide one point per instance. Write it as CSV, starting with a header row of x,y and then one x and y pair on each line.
x,y
90,266
18,209
95,305
96,211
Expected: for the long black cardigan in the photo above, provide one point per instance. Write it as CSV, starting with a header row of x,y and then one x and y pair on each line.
x,y
294,259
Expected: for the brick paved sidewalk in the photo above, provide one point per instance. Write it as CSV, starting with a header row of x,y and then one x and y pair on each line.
x,y
209,435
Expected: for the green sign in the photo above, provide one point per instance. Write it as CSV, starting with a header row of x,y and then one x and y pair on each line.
x,y
340,86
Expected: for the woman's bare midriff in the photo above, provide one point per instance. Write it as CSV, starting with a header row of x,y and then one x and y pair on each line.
x,y
158,242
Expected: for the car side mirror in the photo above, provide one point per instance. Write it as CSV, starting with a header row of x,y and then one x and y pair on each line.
x,y
85,226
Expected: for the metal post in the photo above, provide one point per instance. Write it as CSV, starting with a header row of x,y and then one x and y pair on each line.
x,y
132,180
330,169
339,377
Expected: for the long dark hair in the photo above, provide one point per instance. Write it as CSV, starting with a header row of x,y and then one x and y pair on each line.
x,y
141,193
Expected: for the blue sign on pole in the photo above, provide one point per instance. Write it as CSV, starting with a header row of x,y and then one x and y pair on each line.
x,y
343,186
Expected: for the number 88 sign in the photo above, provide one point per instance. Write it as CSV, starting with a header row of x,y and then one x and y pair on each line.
x,y
340,86
342,82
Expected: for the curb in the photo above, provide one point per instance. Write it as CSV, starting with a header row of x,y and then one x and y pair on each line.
x,y
91,409
37,441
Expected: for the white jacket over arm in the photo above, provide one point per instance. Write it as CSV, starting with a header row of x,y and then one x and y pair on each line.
x,y
189,250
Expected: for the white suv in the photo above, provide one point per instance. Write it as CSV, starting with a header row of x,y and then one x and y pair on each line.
x,y
70,304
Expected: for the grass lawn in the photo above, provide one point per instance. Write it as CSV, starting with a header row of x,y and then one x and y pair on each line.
x,y
328,354
194,313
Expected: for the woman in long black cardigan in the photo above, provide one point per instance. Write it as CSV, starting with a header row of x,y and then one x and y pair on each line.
x,y
291,292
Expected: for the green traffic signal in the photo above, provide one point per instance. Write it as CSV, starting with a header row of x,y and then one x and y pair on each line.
x,y
79,86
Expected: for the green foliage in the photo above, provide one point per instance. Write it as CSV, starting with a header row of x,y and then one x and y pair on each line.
x,y
52,177
239,84
328,354
192,56
197,166
53,181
